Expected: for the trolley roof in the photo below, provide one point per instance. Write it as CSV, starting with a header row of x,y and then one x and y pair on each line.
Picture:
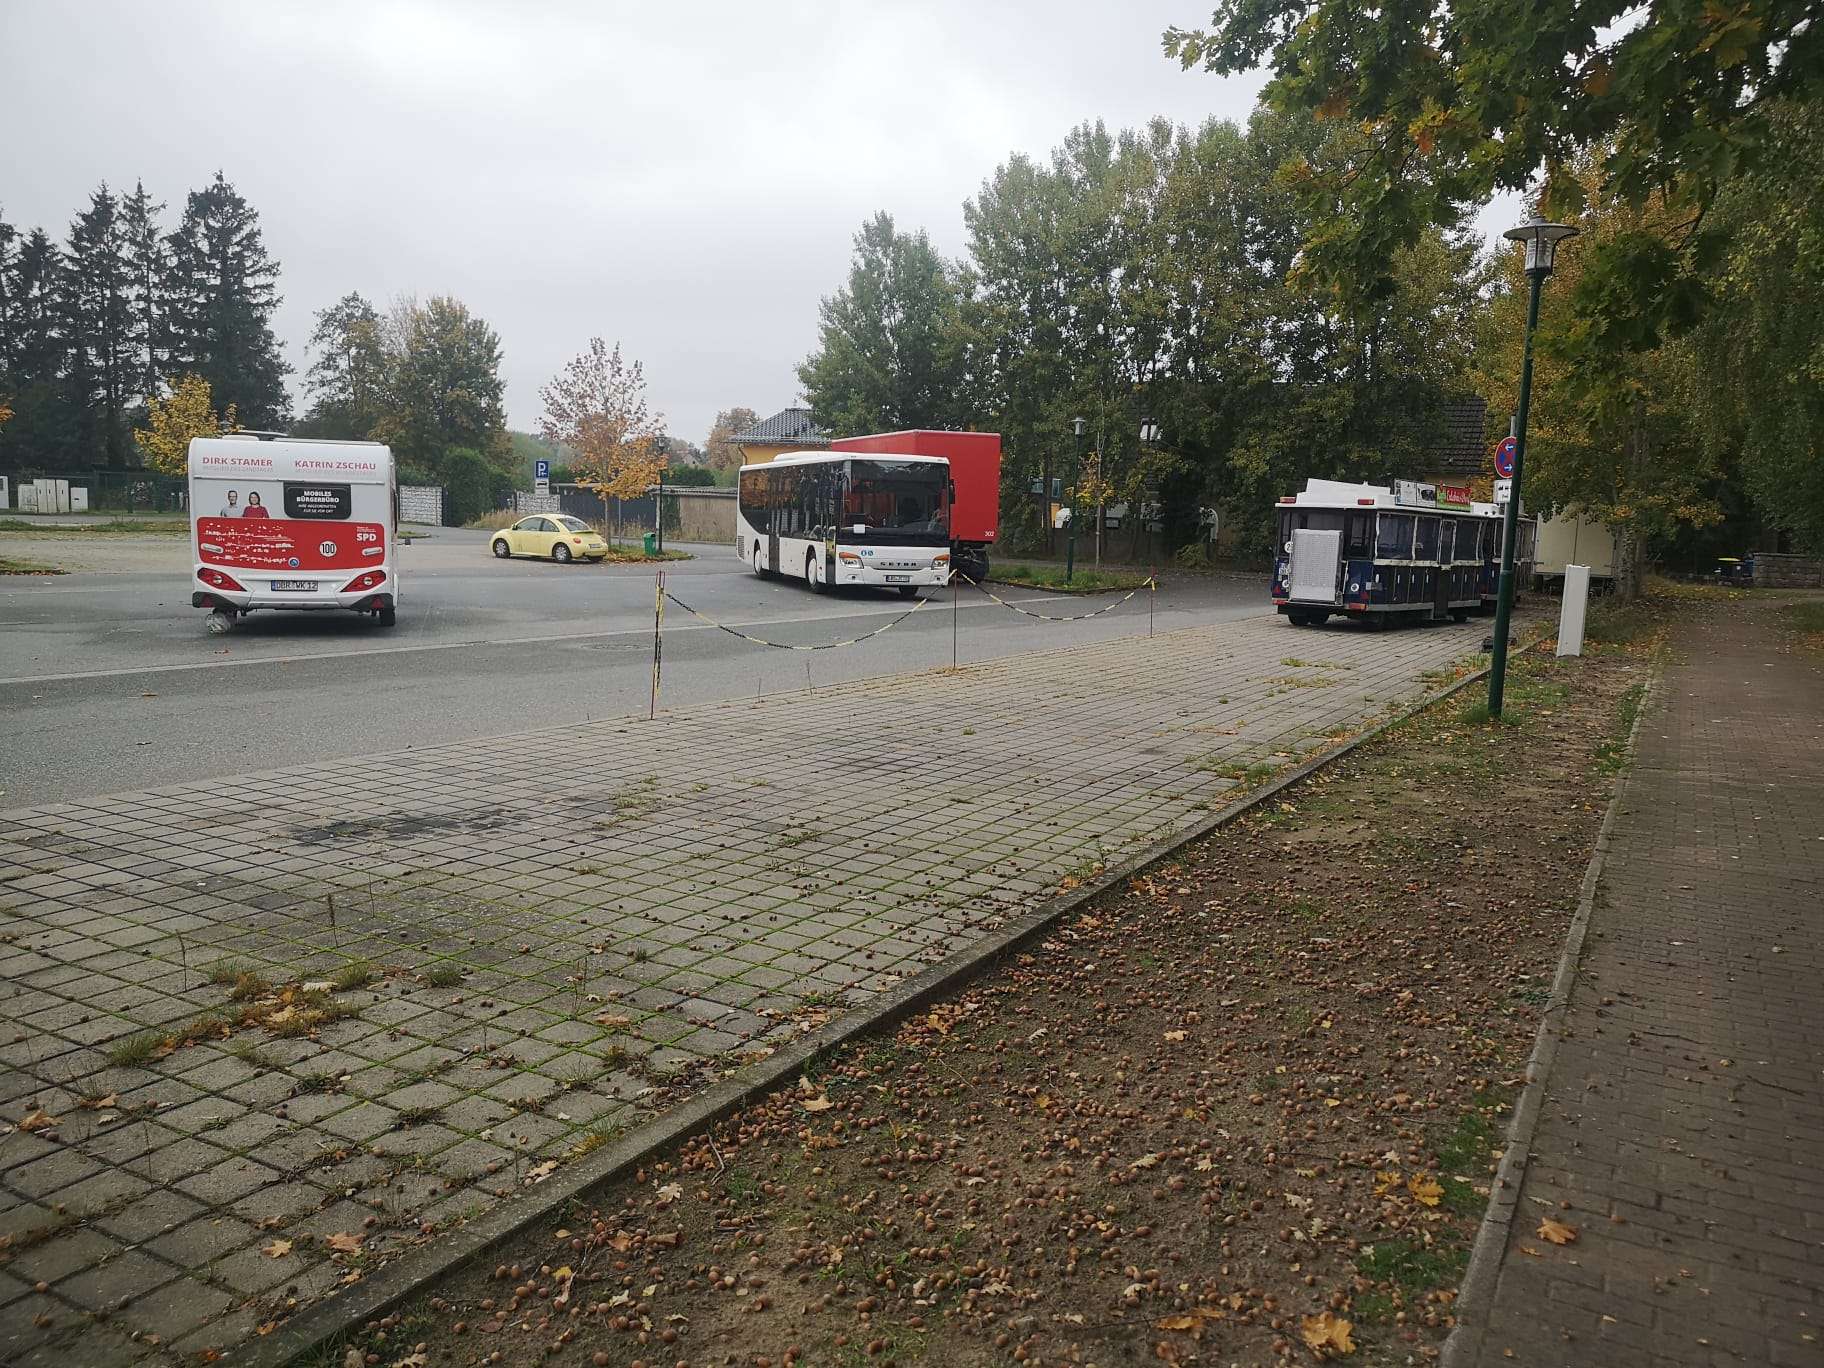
x,y
1404,495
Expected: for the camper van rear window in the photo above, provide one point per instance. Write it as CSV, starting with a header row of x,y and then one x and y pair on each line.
x,y
322,502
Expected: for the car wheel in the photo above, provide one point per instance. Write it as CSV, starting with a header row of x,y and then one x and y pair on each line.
x,y
561,554
219,622
387,616
501,549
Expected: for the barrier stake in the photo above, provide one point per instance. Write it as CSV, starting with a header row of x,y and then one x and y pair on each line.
x,y
953,618
658,618
1152,591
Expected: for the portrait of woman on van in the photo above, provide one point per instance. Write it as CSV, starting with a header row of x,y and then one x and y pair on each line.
x,y
254,509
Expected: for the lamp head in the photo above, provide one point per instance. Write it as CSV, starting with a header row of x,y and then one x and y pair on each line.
x,y
1078,425
1541,240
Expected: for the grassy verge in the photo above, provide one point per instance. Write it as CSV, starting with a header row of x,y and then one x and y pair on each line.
x,y
120,527
1052,577
1806,619
621,553
1243,1106
12,566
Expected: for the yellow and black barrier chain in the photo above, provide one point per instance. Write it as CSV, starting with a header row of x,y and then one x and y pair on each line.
x,y
1149,585
787,645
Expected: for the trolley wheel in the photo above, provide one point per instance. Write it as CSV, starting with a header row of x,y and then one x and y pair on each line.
x,y
1459,615
907,590
501,549
561,554
219,621
387,616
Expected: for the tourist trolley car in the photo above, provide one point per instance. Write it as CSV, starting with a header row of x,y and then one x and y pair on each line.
x,y
1415,552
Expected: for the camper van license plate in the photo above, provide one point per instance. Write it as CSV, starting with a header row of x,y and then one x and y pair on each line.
x,y
294,586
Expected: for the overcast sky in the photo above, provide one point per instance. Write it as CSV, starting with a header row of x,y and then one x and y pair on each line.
x,y
683,178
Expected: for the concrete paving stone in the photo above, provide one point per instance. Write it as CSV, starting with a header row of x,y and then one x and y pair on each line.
x,y
161,1209
110,1282
359,1122
197,1242
176,1308
228,1181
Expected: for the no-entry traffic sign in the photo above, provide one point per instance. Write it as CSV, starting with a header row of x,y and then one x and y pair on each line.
x,y
1504,456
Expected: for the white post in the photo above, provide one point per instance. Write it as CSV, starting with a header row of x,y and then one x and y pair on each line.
x,y
1571,614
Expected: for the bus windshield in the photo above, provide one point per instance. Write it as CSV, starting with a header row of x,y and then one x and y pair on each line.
x,y
896,503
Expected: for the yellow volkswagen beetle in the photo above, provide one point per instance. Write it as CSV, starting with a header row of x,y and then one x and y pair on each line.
x,y
550,536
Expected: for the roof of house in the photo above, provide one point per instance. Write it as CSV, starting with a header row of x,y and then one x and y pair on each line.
x,y
792,426
1460,446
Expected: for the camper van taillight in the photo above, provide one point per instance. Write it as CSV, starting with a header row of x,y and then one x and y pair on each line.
x,y
218,580
365,581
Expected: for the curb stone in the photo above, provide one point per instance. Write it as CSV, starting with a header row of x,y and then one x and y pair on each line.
x,y
1489,1252
316,1328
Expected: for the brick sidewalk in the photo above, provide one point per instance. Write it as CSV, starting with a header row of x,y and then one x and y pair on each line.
x,y
1682,1133
570,930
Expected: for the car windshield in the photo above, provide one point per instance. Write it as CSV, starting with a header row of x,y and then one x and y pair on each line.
x,y
900,503
574,525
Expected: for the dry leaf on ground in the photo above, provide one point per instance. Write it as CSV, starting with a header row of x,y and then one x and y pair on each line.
x,y
342,1242
1327,1336
1426,1188
278,1249
37,1120
1557,1232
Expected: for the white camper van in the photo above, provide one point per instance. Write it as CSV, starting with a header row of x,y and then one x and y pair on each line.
x,y
292,523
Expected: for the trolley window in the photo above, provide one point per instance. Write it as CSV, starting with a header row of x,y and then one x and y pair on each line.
x,y
1425,544
1447,540
1357,531
1394,541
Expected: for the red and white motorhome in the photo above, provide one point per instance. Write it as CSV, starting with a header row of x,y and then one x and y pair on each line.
x,y
292,523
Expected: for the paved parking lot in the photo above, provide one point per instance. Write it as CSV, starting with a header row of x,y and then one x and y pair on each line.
x,y
110,682
261,1032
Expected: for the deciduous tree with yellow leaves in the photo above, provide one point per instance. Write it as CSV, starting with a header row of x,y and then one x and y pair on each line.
x,y
597,407
188,411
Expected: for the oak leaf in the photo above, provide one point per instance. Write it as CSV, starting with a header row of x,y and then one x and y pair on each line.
x,y
1174,1036
816,1104
539,1172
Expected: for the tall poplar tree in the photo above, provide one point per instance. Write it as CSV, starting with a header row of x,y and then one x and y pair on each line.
x,y
223,290
347,382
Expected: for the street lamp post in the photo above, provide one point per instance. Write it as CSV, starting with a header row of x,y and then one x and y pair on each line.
x,y
1078,426
664,451
1541,240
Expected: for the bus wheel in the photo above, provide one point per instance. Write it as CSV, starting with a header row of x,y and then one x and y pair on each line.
x,y
907,590
219,622
813,573
758,572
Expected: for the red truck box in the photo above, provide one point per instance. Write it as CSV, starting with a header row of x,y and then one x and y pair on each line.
x,y
975,466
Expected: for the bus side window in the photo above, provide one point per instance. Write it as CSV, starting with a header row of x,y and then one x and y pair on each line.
x,y
1355,542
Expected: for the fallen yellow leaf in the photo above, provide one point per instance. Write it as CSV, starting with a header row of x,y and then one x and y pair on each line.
x,y
37,1120
1326,1336
344,1243
817,1104
278,1249
1557,1232
1174,1036
1426,1188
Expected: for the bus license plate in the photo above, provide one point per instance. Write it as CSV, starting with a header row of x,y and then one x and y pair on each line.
x,y
294,586
898,579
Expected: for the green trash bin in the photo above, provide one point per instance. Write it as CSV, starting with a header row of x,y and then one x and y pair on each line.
x,y
651,543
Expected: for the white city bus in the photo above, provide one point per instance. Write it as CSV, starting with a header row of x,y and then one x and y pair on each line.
x,y
835,518
292,523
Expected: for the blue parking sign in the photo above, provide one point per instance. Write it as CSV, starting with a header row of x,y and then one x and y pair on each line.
x,y
541,470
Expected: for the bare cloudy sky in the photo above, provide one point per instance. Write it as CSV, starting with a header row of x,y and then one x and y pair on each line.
x,y
684,178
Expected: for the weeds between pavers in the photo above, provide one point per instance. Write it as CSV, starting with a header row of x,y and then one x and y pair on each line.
x,y
1221,1110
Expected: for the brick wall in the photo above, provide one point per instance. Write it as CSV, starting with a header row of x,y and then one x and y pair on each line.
x,y
1776,570
421,504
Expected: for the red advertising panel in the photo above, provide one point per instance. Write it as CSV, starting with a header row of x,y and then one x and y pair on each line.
x,y
289,544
